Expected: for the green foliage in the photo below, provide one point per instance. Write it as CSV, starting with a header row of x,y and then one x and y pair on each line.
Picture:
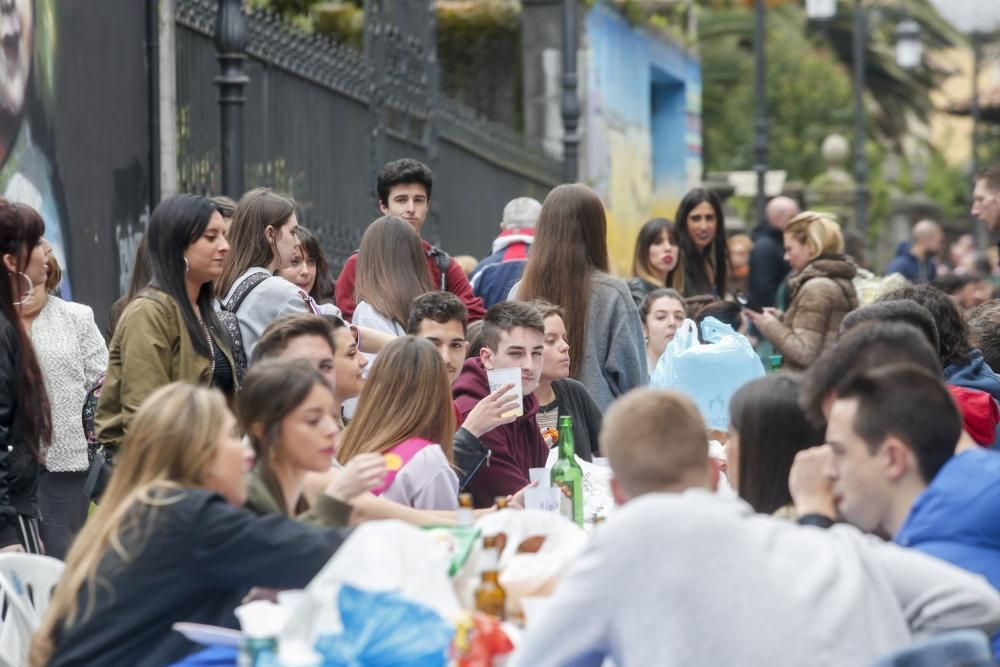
x,y
809,96
947,186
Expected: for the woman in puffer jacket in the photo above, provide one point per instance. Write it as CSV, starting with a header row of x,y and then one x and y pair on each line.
x,y
821,291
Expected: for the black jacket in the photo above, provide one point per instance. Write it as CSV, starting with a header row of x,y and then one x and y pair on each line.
x,y
576,401
768,267
470,453
18,465
639,289
199,560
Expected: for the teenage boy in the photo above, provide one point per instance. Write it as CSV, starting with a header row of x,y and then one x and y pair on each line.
x,y
440,318
404,190
513,336
891,466
680,575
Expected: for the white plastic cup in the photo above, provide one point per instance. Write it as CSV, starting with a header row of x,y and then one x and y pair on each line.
x,y
498,377
540,475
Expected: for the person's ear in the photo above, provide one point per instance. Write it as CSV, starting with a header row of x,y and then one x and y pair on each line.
x,y
617,493
269,234
486,356
897,459
10,263
383,208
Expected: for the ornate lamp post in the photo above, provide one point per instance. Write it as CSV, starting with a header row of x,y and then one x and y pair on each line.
x,y
231,41
570,101
760,113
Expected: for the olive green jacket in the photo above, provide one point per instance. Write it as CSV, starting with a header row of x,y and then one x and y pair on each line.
x,y
327,512
151,348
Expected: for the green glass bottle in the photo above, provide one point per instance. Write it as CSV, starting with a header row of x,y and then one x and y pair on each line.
x,y
567,475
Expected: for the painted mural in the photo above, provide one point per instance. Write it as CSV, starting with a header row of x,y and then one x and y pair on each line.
x,y
642,123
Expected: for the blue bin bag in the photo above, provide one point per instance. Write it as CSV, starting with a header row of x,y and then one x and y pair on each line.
x,y
710,372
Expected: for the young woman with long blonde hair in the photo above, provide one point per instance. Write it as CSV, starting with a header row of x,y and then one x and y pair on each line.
x,y
406,411
170,543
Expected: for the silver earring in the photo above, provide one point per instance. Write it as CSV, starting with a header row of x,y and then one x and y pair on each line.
x,y
27,293
187,266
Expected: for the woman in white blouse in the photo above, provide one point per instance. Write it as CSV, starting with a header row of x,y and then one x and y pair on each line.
x,y
406,413
71,354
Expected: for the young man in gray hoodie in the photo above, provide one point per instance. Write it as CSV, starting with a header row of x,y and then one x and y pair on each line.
x,y
682,576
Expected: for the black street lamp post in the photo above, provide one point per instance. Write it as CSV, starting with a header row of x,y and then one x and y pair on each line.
x,y
231,41
570,101
760,95
860,159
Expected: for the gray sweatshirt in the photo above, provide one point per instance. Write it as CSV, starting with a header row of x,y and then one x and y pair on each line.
x,y
698,579
270,300
614,355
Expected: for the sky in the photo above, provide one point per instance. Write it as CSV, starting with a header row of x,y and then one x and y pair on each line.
x,y
967,15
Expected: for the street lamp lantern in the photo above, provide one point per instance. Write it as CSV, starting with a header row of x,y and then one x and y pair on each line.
x,y
821,10
909,48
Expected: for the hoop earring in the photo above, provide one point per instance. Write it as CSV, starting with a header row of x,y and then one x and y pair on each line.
x,y
31,286
187,265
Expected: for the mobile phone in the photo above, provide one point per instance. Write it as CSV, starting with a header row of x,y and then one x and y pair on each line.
x,y
747,301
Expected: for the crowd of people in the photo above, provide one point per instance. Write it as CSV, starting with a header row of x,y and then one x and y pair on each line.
x,y
248,409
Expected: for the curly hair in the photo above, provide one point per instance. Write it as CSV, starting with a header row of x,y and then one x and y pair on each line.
x,y
953,334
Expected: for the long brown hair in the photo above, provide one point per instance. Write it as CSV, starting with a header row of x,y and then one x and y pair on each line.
x,y
274,389
410,381
168,448
249,246
571,241
392,268
21,228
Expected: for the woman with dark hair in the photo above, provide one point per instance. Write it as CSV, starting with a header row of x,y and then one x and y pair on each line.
x,y
767,428
170,331
391,273
662,312
309,270
72,354
25,416
656,255
701,234
568,267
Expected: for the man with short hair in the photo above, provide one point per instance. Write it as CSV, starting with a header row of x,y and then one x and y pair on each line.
x,y
495,275
440,318
914,260
768,267
682,576
513,337
984,331
404,190
986,197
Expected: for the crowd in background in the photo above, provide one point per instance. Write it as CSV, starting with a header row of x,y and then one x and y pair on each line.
x,y
249,406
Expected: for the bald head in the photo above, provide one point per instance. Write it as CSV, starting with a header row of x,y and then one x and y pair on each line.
x,y
780,211
928,237
655,441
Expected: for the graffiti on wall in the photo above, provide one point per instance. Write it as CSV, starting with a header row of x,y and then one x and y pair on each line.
x,y
28,173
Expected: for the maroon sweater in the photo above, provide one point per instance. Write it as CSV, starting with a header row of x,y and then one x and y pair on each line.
x,y
514,447
456,281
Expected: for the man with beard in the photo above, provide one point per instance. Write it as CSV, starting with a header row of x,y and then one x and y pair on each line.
x,y
915,260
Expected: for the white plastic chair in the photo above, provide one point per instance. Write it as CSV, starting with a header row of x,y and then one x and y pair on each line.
x,y
26,583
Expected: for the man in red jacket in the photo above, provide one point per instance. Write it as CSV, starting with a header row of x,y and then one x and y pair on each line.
x,y
404,190
513,337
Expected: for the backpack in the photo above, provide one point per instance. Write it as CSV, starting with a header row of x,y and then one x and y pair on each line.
x,y
227,315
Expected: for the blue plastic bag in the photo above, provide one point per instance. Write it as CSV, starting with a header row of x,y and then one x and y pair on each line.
x,y
710,372
385,630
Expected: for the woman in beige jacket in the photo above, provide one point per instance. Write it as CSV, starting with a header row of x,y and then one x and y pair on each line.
x,y
821,291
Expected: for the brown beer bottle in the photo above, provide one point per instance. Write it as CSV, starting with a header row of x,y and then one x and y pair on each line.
x,y
501,502
491,598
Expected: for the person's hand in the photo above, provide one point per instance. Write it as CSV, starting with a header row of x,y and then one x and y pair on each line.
x,y
810,483
12,548
516,500
362,473
758,319
489,412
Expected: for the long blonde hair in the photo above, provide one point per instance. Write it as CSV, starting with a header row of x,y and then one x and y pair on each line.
x,y
169,446
392,268
407,395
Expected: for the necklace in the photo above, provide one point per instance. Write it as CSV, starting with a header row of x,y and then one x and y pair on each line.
x,y
211,347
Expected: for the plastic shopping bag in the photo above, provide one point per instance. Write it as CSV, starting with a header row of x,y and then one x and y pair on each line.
x,y
385,630
710,372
